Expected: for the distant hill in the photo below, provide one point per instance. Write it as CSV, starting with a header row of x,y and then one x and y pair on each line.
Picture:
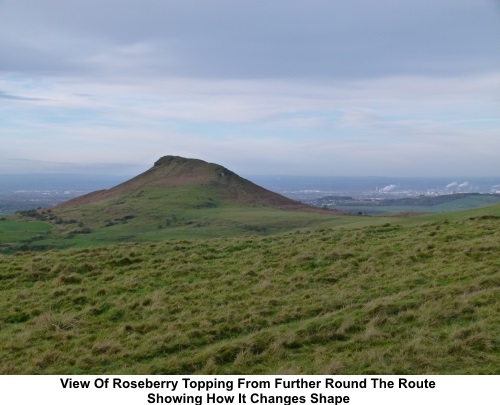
x,y
170,172
177,198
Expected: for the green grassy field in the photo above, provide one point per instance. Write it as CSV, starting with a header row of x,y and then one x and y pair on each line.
x,y
351,295
12,230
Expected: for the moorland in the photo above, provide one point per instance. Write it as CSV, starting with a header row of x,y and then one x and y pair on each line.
x,y
188,268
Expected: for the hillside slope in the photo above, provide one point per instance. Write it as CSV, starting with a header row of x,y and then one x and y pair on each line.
x,y
387,299
177,198
170,172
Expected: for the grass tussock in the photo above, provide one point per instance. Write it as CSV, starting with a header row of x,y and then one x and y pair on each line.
x,y
386,299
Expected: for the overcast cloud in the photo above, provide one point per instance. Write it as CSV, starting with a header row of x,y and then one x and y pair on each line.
x,y
264,87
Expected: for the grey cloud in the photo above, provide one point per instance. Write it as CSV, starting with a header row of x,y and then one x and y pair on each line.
x,y
39,55
259,39
8,96
339,40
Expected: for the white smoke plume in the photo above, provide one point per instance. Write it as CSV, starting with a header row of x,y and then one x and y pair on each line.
x,y
391,187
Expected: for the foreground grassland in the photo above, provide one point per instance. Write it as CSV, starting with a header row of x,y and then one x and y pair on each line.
x,y
422,297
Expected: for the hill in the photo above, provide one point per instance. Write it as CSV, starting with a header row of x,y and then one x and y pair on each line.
x,y
290,291
170,172
176,198
410,296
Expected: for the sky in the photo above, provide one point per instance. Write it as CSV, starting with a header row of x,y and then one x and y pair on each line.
x,y
278,87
